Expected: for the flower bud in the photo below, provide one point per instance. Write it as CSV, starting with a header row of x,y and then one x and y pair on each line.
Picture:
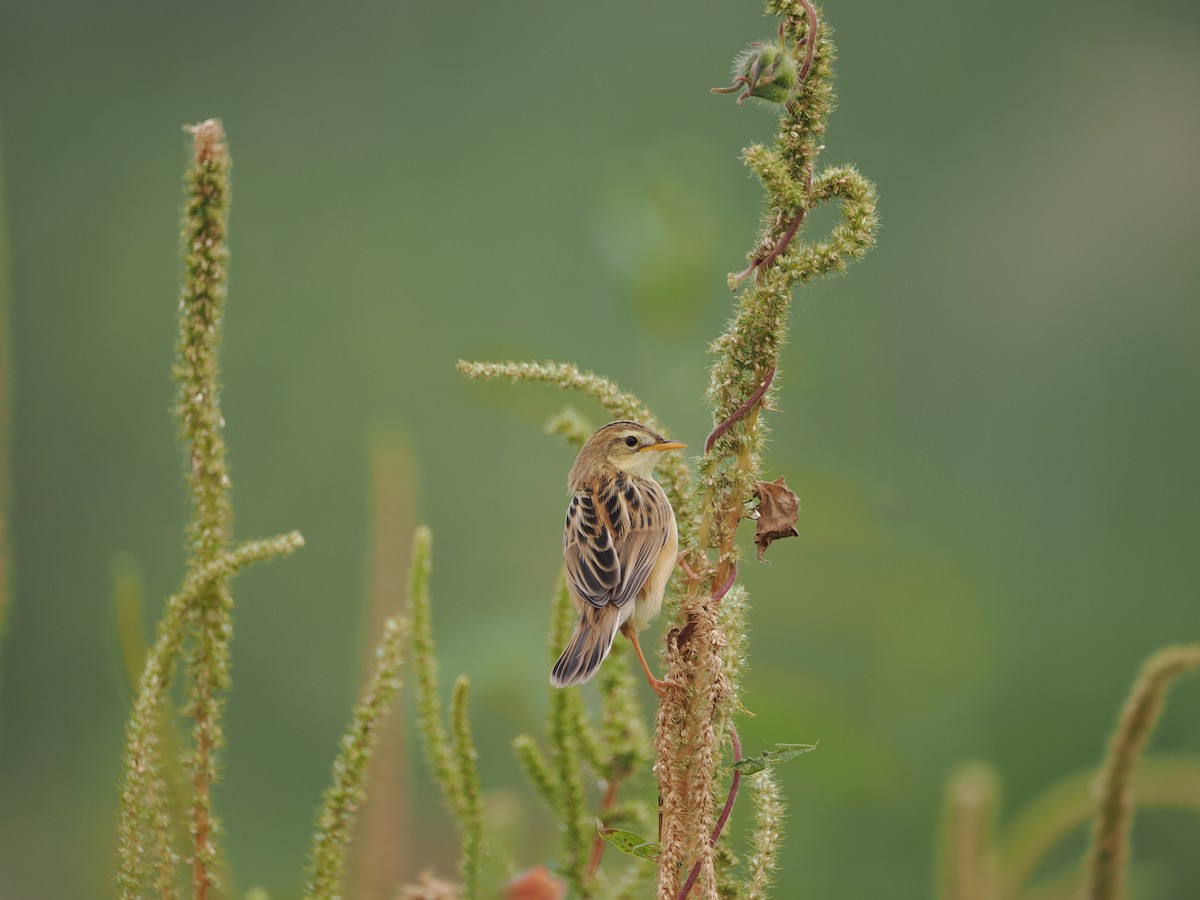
x,y
765,71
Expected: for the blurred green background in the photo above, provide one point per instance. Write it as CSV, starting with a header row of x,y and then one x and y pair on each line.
x,y
991,422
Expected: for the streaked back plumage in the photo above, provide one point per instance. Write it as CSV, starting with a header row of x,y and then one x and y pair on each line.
x,y
619,544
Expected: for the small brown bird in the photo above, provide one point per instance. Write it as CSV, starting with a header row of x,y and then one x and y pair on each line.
x,y
620,545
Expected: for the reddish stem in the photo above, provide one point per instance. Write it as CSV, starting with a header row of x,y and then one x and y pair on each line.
x,y
782,244
606,805
762,263
810,40
734,783
719,594
741,411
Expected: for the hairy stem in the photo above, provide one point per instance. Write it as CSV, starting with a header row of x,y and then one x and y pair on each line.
x,y
342,799
692,718
471,821
201,424
734,783
1108,854
1172,783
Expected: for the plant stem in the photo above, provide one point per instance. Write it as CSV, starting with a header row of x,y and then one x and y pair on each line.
x,y
607,802
734,783
1108,854
692,719
344,797
201,422
1171,783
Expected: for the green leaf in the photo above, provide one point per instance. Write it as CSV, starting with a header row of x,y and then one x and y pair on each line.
x,y
748,765
628,842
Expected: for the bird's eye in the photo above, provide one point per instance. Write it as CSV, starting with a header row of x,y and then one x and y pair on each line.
x,y
631,441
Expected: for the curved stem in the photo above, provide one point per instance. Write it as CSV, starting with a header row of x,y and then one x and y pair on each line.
x,y
719,594
1108,855
741,412
810,41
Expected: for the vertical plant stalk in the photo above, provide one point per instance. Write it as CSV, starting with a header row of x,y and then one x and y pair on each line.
x,y
5,420
968,839
1108,854
694,716
200,610
381,855
465,757
734,783
452,759
768,834
565,732
205,258
692,720
424,660
342,799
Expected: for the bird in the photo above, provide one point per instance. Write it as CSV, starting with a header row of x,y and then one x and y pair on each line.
x,y
620,545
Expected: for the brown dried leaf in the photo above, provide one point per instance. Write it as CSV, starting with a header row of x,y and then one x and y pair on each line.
x,y
778,512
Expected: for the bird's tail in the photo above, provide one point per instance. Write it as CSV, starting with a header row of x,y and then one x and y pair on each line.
x,y
589,645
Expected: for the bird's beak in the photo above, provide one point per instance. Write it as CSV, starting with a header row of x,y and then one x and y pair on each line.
x,y
662,445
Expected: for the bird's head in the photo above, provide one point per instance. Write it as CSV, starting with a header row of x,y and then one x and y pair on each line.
x,y
624,446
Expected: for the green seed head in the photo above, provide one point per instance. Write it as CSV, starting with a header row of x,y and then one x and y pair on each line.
x,y
765,71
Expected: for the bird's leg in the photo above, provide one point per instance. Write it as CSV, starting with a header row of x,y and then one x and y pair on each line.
x,y
658,686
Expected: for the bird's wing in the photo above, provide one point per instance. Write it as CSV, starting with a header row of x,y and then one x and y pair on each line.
x,y
614,533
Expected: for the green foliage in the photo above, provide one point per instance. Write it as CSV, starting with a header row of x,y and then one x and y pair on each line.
x,y
976,863
581,752
200,611
628,842
752,765
565,726
200,425
471,820
1108,854
5,424
692,721
767,838
1065,806
424,660
342,799
617,403
570,424
452,761
706,651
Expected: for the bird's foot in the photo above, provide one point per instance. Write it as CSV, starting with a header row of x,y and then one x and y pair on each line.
x,y
690,575
661,687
